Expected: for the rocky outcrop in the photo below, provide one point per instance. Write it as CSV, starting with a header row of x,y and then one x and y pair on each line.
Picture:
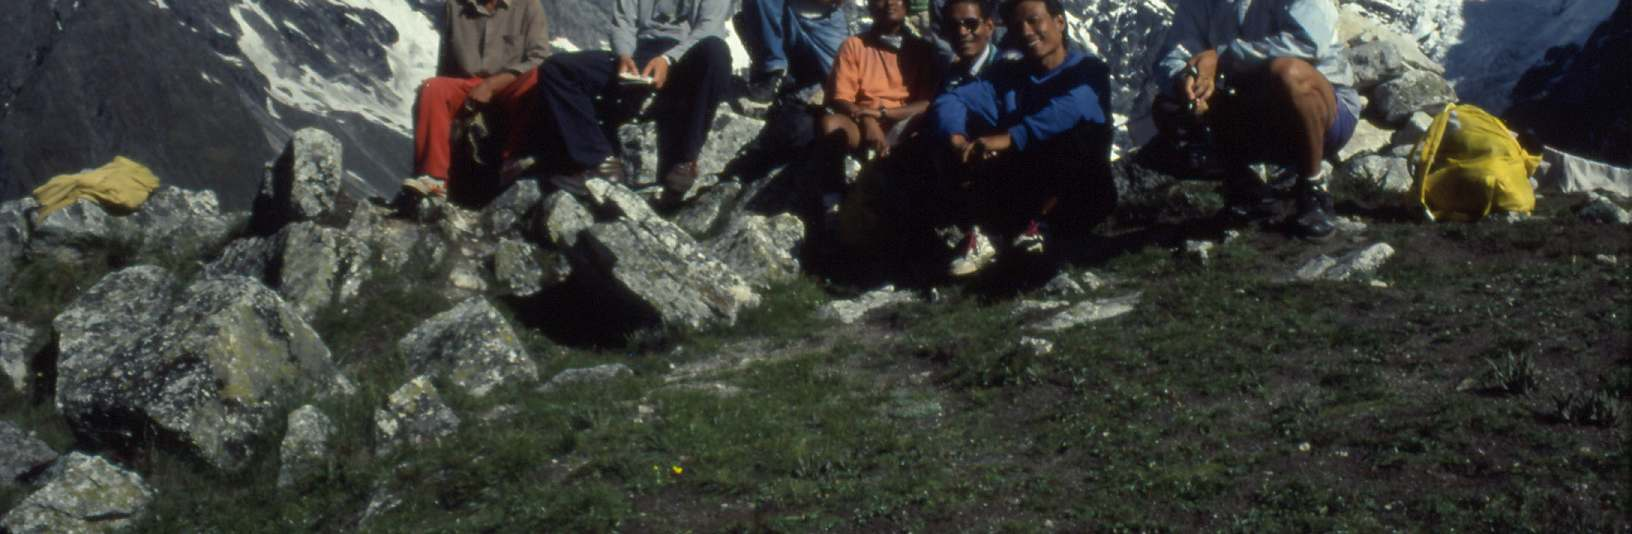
x,y
519,269
472,346
67,234
210,371
21,454
89,495
763,250
728,135
302,184
654,268
506,215
560,219
710,206
306,451
311,266
180,223
1396,100
14,232
413,416
17,345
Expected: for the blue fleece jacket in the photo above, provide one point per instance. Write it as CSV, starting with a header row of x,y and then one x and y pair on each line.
x,y
1032,107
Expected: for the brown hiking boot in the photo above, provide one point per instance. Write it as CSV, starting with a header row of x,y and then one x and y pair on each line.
x,y
680,178
610,169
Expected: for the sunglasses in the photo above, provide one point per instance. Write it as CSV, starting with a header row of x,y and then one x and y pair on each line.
x,y
970,23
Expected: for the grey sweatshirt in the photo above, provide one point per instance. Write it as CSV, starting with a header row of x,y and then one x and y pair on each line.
x,y
1253,32
685,21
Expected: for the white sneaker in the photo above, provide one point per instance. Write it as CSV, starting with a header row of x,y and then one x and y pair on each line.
x,y
426,186
978,253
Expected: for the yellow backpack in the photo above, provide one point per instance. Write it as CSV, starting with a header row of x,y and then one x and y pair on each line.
x,y
1468,165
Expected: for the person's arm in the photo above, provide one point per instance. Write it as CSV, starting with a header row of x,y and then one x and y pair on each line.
x,y
537,37
951,110
1187,38
708,21
1311,32
1062,113
625,27
844,83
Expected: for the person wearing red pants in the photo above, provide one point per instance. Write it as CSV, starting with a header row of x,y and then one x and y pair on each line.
x,y
488,61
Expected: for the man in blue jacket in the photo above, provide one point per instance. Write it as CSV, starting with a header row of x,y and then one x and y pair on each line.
x,y
1288,98
1031,143
676,47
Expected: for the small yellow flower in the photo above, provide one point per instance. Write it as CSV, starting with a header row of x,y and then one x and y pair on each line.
x,y
677,470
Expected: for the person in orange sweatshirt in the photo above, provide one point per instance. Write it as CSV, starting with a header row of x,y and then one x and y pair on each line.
x,y
489,60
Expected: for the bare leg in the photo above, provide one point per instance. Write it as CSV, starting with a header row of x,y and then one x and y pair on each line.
x,y
1313,102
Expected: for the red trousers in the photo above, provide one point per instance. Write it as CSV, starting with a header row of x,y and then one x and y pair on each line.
x,y
440,100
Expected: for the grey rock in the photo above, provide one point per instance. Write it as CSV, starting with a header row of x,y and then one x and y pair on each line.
x,y
614,201
14,233
1094,282
656,269
1088,312
506,215
89,495
68,234
728,135
588,375
1368,138
1026,308
1374,178
1395,101
517,270
1358,264
848,311
180,223
302,184
318,266
560,219
1413,130
1063,286
1600,209
397,244
21,454
414,415
306,450
1386,59
1574,174
211,371
708,209
17,345
763,250
1199,251
1349,225
472,346
249,256
1033,346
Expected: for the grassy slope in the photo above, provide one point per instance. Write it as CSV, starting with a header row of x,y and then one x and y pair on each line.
x,y
1227,401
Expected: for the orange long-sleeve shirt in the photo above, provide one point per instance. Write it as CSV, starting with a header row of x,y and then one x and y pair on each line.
x,y
871,76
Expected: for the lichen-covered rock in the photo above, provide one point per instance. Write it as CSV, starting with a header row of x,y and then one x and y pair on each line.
x,y
517,270
302,184
654,268
1385,59
211,371
14,232
848,311
472,346
1395,101
560,219
587,375
763,250
20,454
1354,265
1374,178
68,234
1413,130
414,415
1367,138
180,223
727,136
614,201
249,256
90,495
397,244
1088,312
318,266
305,452
17,344
706,211
506,215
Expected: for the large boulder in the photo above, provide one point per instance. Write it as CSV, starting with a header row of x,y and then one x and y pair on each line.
x,y
89,495
211,371
522,270
1367,138
506,215
1386,59
306,449
727,136
14,231
71,233
762,250
397,243
471,345
708,209
657,270
560,218
21,454
414,415
17,344
180,223
311,266
1395,101
302,184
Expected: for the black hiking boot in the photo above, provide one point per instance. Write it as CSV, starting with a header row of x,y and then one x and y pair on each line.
x,y
1315,211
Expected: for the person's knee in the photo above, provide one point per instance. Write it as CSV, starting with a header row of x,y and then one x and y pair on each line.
x,y
714,51
438,89
1297,76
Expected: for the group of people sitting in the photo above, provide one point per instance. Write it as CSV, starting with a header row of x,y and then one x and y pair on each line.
x,y
1007,120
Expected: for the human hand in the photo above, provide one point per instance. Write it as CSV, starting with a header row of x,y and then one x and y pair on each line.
x,y
626,65
1200,72
873,136
481,94
658,70
988,147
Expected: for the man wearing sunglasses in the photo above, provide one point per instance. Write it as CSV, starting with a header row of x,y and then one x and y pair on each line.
x,y
1290,96
1030,142
967,26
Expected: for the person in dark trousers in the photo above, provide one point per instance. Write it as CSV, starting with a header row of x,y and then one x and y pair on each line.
x,y
791,43
1030,146
473,76
676,47
1288,95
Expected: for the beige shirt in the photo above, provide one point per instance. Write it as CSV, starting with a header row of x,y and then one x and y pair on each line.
x,y
513,37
